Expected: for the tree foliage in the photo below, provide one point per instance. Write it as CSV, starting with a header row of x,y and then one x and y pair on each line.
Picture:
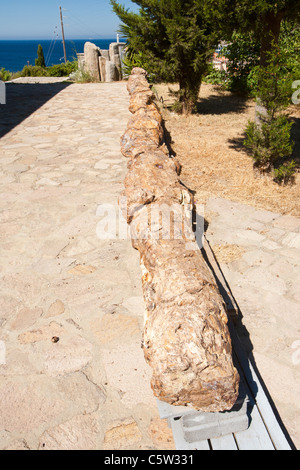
x,y
174,38
251,14
265,18
269,138
242,54
243,59
40,61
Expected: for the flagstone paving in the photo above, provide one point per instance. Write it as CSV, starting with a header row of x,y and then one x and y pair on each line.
x,y
73,375
259,254
72,371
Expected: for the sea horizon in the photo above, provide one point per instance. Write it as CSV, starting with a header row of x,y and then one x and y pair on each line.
x,y
16,53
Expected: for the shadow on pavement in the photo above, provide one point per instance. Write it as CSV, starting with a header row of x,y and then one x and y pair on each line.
x,y
23,99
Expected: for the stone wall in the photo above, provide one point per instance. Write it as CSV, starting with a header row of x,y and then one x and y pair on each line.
x,y
103,65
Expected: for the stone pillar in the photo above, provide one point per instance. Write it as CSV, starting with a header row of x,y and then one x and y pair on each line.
x,y
114,57
122,54
91,59
112,73
105,53
102,67
80,57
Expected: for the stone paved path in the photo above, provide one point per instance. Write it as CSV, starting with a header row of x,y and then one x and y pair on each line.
x,y
72,372
259,254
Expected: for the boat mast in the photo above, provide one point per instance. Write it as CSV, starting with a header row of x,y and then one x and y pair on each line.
x,y
63,34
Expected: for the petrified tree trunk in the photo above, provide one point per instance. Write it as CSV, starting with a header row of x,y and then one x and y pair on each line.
x,y
91,60
186,338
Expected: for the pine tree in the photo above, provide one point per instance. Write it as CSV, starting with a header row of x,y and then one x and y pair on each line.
x,y
270,139
174,39
40,61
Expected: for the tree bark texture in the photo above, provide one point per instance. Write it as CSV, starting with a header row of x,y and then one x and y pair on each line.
x,y
271,25
186,339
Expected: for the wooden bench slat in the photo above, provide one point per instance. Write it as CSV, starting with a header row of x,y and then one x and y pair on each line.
x,y
203,445
256,437
257,390
224,443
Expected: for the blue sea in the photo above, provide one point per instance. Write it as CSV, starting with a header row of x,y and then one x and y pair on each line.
x,y
15,54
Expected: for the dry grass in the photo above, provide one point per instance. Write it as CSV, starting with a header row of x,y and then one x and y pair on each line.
x,y
215,163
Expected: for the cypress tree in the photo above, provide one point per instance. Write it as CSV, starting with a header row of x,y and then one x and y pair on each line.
x,y
40,61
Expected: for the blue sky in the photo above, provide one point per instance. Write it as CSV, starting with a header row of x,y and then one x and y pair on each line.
x,y
37,19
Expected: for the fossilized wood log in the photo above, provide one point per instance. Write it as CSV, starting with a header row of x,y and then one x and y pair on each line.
x,y
186,339
141,98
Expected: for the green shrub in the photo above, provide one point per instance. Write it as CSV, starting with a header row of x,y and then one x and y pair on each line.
x,y
285,172
59,70
243,55
138,59
62,70
269,142
5,75
34,71
216,77
132,60
290,46
269,138
81,76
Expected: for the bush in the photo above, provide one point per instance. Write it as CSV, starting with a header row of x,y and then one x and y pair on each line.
x,y
133,59
285,172
5,75
290,46
243,56
33,71
269,138
269,142
62,70
81,76
216,77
